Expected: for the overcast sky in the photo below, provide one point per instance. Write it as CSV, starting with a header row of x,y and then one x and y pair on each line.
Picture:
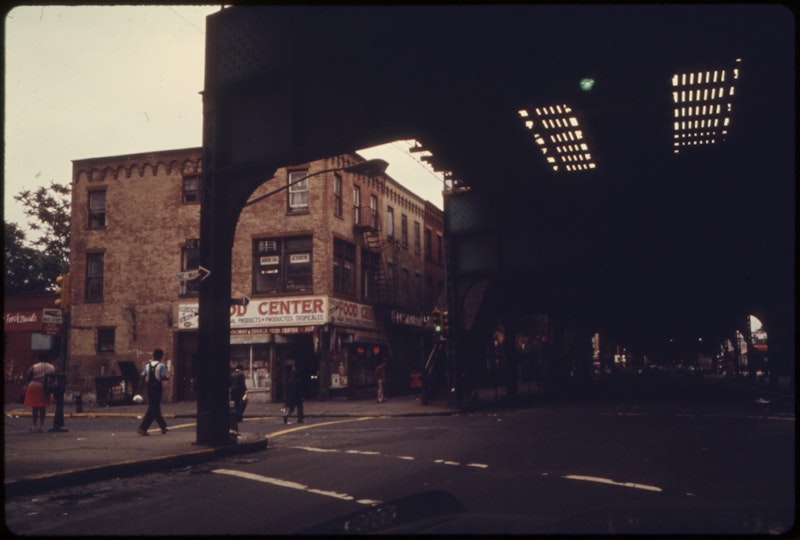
x,y
93,81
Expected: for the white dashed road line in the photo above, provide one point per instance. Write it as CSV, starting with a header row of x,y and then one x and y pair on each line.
x,y
293,485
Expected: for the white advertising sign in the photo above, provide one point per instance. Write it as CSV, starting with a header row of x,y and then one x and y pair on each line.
x,y
352,314
273,312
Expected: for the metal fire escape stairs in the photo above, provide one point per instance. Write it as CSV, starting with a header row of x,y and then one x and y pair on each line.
x,y
368,225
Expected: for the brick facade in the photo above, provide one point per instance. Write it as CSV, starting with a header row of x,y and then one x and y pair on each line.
x,y
135,223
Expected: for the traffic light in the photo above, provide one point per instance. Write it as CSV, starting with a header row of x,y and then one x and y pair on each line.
x,y
445,323
63,290
436,321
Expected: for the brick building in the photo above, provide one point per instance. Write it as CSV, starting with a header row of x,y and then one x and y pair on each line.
x,y
340,269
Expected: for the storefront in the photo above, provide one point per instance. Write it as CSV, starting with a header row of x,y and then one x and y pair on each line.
x,y
334,344
356,343
29,329
266,336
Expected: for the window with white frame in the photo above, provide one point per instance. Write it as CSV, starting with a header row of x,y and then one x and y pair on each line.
x,y
357,205
191,189
298,191
390,222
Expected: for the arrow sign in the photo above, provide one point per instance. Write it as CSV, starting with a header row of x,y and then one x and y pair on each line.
x,y
198,274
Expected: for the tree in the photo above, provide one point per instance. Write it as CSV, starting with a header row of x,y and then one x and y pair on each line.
x,y
22,264
36,266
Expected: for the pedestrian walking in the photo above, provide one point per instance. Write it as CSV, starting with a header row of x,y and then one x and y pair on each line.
x,y
238,389
294,396
154,372
36,395
380,376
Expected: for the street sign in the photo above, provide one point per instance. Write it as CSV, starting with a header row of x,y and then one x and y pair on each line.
x,y
240,301
52,316
198,274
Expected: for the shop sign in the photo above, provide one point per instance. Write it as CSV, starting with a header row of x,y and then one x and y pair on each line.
x,y
408,319
295,311
352,314
22,321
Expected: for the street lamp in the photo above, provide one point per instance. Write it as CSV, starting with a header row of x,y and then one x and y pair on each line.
x,y
370,167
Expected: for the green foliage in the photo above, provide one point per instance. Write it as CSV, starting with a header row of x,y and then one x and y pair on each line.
x,y
33,265
22,264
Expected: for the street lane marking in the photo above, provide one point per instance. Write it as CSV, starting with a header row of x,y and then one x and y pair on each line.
x,y
311,426
611,482
374,453
293,485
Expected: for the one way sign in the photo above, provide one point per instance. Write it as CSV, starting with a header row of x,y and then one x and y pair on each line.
x,y
198,274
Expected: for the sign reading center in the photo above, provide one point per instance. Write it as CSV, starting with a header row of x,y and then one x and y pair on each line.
x,y
288,311
294,311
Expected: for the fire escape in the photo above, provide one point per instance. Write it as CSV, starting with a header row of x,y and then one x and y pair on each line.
x,y
367,224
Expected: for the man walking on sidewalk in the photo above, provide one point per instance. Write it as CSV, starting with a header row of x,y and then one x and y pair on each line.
x,y
154,372
294,396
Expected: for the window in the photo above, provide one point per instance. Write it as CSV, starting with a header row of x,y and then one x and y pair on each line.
x,y
389,222
298,191
370,267
357,205
404,286
373,211
191,189
97,209
283,265
404,231
439,249
417,238
390,276
94,277
344,267
418,289
105,340
428,244
190,260
337,195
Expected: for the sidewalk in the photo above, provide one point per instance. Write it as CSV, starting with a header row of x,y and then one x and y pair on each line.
x,y
40,461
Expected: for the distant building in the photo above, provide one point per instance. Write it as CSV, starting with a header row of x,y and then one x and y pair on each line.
x,y
340,269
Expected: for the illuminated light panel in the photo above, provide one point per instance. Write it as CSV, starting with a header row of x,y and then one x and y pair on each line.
x,y
557,132
703,106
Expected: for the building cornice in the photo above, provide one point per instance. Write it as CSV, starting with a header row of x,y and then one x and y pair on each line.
x,y
187,162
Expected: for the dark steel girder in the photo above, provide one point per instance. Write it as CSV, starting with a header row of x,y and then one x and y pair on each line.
x,y
649,237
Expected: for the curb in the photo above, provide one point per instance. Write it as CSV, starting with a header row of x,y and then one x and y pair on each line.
x,y
33,484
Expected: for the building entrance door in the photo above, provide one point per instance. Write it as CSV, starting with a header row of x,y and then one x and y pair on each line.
x,y
186,368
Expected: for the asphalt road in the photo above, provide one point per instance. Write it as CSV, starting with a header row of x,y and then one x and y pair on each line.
x,y
674,456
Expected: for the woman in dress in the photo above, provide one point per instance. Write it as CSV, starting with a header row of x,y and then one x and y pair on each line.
x,y
35,395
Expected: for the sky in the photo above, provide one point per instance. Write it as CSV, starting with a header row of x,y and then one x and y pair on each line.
x,y
94,81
